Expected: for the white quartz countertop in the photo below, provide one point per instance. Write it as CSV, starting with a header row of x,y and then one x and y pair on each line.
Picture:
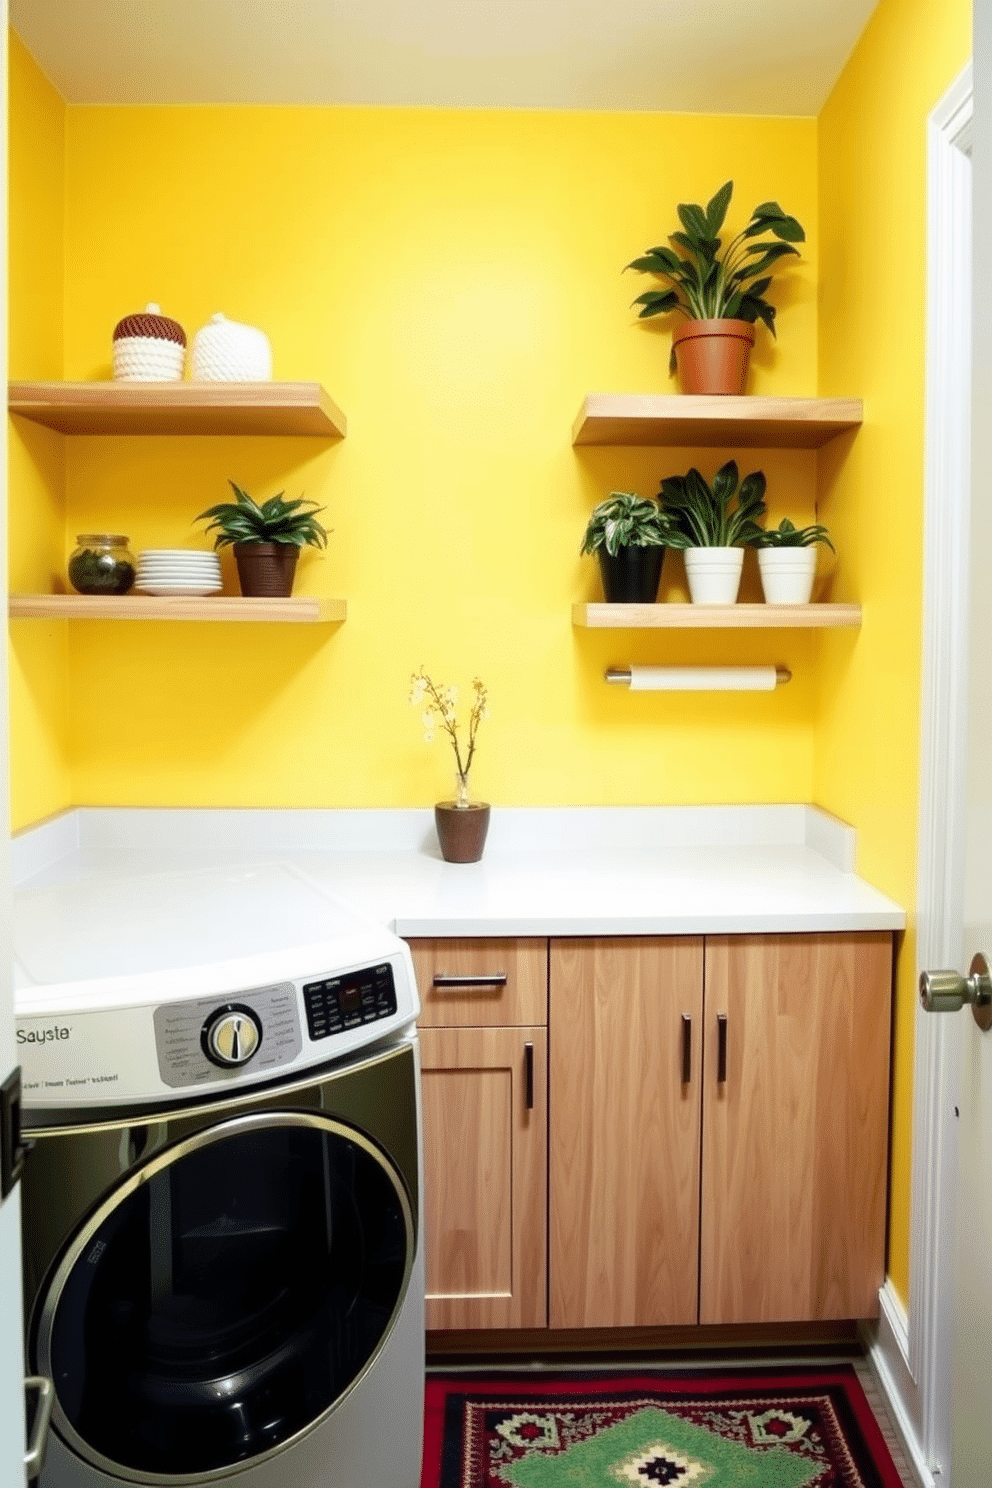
x,y
546,871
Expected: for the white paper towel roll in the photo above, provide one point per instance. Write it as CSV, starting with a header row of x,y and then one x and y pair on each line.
x,y
703,679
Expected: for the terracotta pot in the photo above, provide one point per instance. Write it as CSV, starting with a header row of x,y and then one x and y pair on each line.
x,y
632,575
461,830
713,355
266,570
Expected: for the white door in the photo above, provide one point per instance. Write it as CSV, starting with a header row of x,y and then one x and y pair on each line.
x,y
11,1344
971,1437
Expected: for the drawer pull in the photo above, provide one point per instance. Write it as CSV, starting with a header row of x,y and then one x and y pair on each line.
x,y
686,1048
489,979
721,1048
529,1076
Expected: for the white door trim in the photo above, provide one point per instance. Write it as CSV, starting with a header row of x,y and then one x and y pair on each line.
x,y
921,1376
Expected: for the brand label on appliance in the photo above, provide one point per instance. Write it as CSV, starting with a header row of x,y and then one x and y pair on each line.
x,y
86,1058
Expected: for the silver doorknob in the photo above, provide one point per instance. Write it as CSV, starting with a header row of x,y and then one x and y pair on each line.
x,y
947,991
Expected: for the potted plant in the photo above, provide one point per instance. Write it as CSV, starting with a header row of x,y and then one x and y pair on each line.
x,y
266,538
787,561
629,534
461,824
721,295
713,524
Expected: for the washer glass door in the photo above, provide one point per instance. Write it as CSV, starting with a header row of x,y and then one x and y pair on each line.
x,y
226,1295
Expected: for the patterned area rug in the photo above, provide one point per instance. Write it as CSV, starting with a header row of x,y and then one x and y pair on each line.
x,y
761,1429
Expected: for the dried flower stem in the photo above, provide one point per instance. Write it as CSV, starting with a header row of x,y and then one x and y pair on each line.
x,y
441,702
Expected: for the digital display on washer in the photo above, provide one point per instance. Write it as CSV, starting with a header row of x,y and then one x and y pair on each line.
x,y
339,1002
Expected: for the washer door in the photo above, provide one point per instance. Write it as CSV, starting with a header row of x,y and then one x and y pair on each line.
x,y
226,1296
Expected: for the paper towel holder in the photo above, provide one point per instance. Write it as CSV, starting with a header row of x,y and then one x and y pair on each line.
x,y
622,676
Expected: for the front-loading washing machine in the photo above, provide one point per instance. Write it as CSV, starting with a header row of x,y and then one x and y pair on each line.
x,y
222,1207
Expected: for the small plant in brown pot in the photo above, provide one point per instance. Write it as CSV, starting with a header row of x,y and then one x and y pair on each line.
x,y
461,824
721,295
266,539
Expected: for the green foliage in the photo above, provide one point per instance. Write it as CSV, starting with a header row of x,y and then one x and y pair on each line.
x,y
278,521
707,286
705,516
787,536
626,520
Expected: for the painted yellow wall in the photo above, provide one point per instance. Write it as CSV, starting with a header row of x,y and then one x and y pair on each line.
x,y
454,279
872,173
39,685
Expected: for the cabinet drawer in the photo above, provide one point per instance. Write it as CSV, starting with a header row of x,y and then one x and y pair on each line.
x,y
473,983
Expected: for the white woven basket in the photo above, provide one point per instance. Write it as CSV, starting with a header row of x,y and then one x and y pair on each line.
x,y
227,351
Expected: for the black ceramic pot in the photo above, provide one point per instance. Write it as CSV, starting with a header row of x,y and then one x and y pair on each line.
x,y
631,576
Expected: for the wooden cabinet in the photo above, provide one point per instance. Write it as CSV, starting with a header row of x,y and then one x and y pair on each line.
x,y
626,1021
795,1137
761,1178
692,1129
483,1040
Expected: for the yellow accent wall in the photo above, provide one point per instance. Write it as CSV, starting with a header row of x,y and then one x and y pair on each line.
x,y
872,296
454,279
39,677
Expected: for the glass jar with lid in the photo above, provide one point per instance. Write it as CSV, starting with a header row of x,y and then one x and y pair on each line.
x,y
102,563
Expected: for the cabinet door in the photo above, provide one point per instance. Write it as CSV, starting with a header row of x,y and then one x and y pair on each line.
x,y
624,1131
795,1137
485,1176
472,982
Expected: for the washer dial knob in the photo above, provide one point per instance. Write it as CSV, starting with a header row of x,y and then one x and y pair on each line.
x,y
232,1036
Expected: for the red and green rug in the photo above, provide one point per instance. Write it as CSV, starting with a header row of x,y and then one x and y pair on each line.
x,y
767,1428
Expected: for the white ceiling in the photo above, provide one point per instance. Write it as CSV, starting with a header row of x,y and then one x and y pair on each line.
x,y
711,56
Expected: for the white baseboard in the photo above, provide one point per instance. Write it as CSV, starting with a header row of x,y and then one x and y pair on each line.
x,y
887,1343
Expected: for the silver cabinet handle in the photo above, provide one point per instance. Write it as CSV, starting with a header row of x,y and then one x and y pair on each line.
x,y
947,991
489,979
34,1457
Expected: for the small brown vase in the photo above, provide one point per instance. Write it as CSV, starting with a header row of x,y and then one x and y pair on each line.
x,y
266,570
461,830
713,355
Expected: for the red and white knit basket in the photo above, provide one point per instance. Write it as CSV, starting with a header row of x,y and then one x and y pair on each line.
x,y
149,348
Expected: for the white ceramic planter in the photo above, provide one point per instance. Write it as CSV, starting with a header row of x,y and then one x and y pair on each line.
x,y
714,574
787,574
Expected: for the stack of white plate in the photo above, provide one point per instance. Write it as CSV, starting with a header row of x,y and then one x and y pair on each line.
x,y
178,571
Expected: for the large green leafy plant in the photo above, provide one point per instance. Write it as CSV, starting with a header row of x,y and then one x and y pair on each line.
x,y
707,516
243,520
626,520
708,284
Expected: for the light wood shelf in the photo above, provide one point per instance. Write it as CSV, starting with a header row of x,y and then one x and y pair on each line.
x,y
714,617
753,423
305,610
267,408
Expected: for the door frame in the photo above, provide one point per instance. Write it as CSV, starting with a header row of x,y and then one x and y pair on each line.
x,y
912,1348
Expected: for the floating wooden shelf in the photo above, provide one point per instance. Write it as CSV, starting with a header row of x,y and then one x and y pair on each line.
x,y
293,408
300,611
714,617
762,423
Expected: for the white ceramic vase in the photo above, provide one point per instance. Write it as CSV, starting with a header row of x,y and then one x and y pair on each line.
x,y
787,574
227,351
714,574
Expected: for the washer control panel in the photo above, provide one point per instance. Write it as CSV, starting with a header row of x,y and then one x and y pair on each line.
x,y
338,1002
204,1040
